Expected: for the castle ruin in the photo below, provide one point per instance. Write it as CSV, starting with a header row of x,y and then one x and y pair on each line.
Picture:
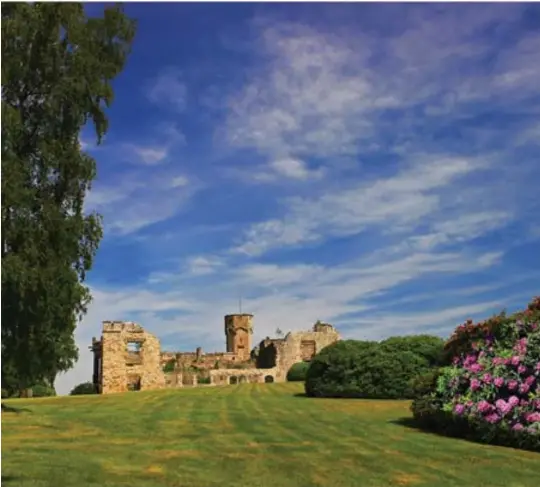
x,y
127,358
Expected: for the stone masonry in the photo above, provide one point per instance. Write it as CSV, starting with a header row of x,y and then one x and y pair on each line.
x,y
129,358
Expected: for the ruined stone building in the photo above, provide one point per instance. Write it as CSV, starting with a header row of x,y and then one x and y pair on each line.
x,y
129,358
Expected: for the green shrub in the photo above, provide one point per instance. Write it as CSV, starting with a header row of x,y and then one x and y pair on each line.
x,y
429,347
297,373
41,390
203,380
5,394
84,388
359,369
425,383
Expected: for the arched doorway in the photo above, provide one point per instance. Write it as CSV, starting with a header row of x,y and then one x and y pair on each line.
x,y
233,379
242,379
269,379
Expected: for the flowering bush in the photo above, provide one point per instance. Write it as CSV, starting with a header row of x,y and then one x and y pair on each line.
x,y
491,389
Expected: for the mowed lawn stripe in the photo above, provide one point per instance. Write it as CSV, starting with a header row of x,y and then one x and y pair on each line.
x,y
263,435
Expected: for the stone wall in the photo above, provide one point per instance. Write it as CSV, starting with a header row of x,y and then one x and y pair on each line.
x,y
295,347
202,361
121,367
225,376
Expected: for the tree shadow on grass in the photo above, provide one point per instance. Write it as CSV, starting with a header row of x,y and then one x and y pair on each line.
x,y
301,394
12,409
8,479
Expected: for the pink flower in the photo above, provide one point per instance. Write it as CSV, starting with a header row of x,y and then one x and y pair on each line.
x,y
515,360
503,407
512,385
476,368
530,380
484,406
517,427
499,381
532,417
524,388
475,384
513,401
522,369
497,361
487,378
493,418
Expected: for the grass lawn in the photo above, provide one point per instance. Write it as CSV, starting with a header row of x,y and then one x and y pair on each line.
x,y
253,435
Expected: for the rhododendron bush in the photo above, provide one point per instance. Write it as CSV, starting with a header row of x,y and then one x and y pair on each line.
x,y
491,390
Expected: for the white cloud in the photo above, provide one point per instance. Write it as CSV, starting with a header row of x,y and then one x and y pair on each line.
x,y
137,201
316,94
396,202
168,90
158,151
151,155
295,169
462,228
201,266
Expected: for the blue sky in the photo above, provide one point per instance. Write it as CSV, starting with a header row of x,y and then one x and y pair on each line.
x,y
375,166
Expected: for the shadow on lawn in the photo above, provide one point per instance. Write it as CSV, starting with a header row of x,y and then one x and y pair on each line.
x,y
8,479
11,409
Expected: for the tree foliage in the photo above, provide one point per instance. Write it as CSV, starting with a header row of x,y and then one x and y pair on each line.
x,y
57,69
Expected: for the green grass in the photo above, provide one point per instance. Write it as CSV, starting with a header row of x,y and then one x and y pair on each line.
x,y
253,435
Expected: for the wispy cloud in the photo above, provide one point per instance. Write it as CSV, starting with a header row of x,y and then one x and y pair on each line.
x,y
132,203
397,202
157,150
168,90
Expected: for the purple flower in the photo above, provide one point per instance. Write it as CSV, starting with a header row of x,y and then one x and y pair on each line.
x,y
524,388
459,409
487,378
522,369
530,380
498,381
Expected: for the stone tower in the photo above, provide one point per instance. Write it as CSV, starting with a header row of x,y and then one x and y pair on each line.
x,y
238,330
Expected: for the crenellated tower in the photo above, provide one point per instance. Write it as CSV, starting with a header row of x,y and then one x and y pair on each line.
x,y
238,331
